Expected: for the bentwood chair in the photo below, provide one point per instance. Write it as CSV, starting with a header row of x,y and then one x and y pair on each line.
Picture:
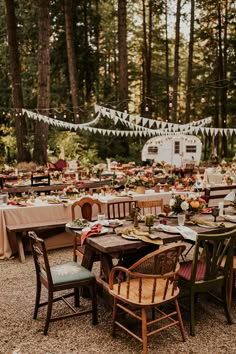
x,y
61,277
86,206
150,206
148,284
210,270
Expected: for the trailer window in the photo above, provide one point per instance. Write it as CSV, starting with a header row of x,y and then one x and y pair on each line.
x,y
177,147
191,148
152,149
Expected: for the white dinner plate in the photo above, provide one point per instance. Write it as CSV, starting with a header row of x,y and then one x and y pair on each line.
x,y
103,231
74,226
209,226
231,218
129,237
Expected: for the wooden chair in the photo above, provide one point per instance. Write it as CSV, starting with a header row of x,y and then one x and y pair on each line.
x,y
204,273
86,205
150,206
120,209
57,278
149,283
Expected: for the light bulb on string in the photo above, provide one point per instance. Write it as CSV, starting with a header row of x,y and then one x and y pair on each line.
x,y
146,108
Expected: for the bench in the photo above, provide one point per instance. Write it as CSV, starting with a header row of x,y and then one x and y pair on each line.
x,y
18,232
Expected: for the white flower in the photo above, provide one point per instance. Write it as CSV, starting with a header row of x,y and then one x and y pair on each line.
x,y
172,202
184,205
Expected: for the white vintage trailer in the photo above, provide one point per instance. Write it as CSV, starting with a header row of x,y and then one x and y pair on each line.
x,y
176,150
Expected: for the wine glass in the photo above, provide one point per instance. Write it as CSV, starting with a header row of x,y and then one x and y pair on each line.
x,y
149,221
215,212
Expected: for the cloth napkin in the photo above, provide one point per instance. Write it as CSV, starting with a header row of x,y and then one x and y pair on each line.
x,y
186,232
13,202
95,229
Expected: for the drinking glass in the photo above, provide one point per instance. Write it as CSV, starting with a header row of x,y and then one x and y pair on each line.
x,y
181,219
101,218
149,221
215,212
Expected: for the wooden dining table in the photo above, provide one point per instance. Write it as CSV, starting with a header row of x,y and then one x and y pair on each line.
x,y
113,246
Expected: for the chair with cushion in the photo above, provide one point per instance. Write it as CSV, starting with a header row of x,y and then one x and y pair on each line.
x,y
150,206
86,206
148,284
210,268
58,278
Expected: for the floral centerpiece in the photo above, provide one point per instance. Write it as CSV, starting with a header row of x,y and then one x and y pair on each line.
x,y
70,190
144,180
188,181
191,204
179,204
229,179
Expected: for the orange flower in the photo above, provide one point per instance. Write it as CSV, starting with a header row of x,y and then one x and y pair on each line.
x,y
195,204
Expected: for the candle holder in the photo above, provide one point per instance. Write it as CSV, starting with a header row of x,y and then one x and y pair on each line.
x,y
215,212
166,209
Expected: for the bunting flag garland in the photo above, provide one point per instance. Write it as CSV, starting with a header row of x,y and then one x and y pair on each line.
x,y
140,126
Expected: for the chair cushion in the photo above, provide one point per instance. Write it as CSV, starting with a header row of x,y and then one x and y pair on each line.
x,y
69,272
186,270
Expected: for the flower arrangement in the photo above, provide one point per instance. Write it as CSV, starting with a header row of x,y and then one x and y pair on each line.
x,y
178,204
181,203
229,179
70,190
188,181
142,180
196,204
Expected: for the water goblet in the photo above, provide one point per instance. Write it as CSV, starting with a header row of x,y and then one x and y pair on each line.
x,y
215,212
149,221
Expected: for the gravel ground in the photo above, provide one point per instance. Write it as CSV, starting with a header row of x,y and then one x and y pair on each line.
x,y
20,334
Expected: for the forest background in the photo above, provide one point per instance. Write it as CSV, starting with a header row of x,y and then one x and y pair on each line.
x,y
169,60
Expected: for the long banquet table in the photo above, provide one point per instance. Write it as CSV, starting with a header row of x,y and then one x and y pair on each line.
x,y
44,212
112,245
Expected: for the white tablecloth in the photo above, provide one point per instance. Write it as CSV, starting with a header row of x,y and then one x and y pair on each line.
x,y
44,212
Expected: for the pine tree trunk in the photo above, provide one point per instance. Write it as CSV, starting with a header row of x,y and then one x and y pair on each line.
x,y
23,153
167,63
123,61
176,64
144,61
43,104
190,63
73,74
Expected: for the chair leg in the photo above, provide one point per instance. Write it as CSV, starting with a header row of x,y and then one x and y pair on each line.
x,y
77,297
49,312
192,313
144,330
225,297
114,315
94,303
37,299
180,320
